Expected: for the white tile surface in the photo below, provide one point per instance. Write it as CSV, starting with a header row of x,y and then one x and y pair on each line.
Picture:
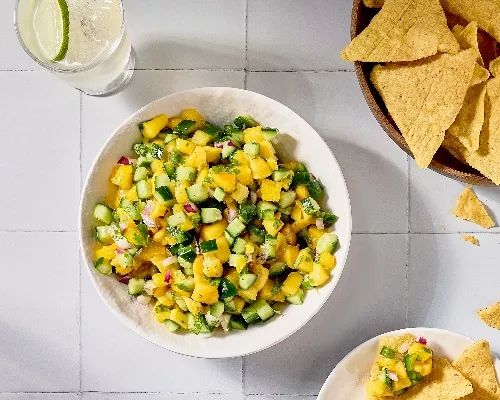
x,y
296,34
278,397
374,167
369,300
40,162
155,396
13,56
111,354
433,197
101,116
187,34
450,280
39,312
39,396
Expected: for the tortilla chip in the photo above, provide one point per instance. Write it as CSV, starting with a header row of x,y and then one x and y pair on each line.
x,y
470,208
373,3
471,239
476,364
467,39
485,12
487,158
491,315
443,383
494,67
424,97
404,30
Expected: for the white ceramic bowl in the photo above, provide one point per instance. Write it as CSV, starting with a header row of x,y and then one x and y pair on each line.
x,y
298,140
347,380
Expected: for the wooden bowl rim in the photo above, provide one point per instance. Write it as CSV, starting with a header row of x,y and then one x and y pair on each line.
x,y
390,127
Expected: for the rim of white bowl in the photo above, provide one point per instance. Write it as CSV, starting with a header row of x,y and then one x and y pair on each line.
x,y
122,316
369,342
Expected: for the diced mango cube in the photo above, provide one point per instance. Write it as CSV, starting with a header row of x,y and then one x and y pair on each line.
x,y
260,169
123,176
107,252
223,252
244,175
304,261
272,226
151,128
200,138
290,255
132,194
241,193
327,261
213,231
205,293
184,146
161,312
292,283
318,275
270,190
197,159
302,192
212,266
178,317
225,180
213,154
193,306
157,167
253,135
193,115
173,122
180,192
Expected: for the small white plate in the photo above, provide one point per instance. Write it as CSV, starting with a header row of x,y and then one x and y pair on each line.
x,y
348,378
298,141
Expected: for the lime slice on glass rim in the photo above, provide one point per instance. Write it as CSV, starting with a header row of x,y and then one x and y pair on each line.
x,y
51,25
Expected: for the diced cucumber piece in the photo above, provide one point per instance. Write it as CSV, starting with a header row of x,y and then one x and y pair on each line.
x,y
171,325
307,283
277,268
301,178
250,314
155,151
316,190
141,149
185,173
247,280
209,245
237,323
219,194
327,242
329,219
125,260
264,310
247,212
237,136
267,214
229,238
162,180
297,298
176,158
245,121
237,259
217,309
201,325
287,199
227,150
265,205
177,219
209,215
185,127
229,306
257,235
103,266
144,190
144,161
186,253
104,234
269,133
103,213
179,236
281,175
197,193
131,209
181,303
214,131
135,286
186,284
268,249
163,194
252,149
187,267
227,289
169,137
235,227
310,206
285,211
239,246
140,174
169,169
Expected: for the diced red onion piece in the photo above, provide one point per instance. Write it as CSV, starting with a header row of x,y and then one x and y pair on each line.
x,y
253,197
145,214
220,145
224,321
124,279
231,214
168,276
393,376
404,347
119,251
190,208
124,160
169,261
422,340
319,223
123,244
123,226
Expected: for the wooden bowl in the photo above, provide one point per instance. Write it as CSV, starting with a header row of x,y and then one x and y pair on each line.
x,y
443,162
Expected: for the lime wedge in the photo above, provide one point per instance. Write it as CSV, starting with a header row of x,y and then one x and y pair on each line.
x,y
51,26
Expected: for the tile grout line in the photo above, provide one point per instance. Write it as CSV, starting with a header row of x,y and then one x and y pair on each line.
x,y
408,215
80,264
245,79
